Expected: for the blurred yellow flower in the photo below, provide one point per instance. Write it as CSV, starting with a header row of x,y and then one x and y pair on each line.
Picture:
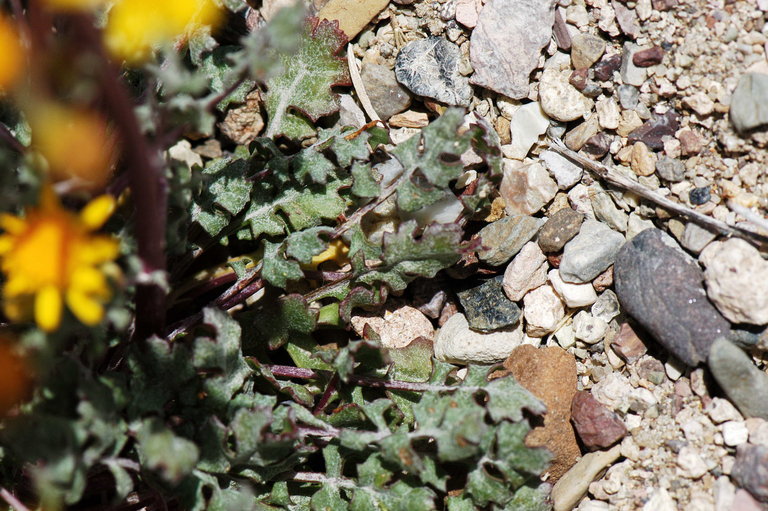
x,y
136,26
76,143
12,61
52,257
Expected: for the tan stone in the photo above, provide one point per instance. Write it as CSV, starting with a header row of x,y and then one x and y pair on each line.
x,y
643,161
352,15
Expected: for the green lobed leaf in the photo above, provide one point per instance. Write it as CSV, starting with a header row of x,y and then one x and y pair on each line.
x,y
302,91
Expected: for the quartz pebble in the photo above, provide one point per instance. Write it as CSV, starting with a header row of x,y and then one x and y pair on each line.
x,y
734,433
597,426
504,238
721,410
744,384
588,328
528,123
565,172
608,113
606,307
660,501
590,252
559,229
487,308
574,295
661,287
559,99
457,343
526,188
737,280
690,463
527,271
749,102
543,311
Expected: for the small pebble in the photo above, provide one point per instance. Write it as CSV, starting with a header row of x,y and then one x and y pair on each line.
x,y
597,426
690,463
487,308
526,188
670,169
590,252
699,196
606,67
574,295
653,130
734,433
504,238
457,343
751,470
527,271
430,67
749,102
606,307
559,229
744,384
648,57
543,311
587,328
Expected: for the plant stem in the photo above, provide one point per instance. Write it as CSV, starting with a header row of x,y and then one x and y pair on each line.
x,y
365,381
316,477
12,501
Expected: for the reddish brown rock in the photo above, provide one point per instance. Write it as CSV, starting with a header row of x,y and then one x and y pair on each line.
x,y
579,78
605,68
550,375
654,130
628,345
604,280
690,142
597,145
597,426
649,57
560,31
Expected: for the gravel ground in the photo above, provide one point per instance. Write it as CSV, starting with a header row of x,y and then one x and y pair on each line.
x,y
694,433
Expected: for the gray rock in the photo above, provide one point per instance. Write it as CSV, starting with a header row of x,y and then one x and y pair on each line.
x,y
750,470
628,96
504,238
661,287
630,73
387,96
506,44
744,384
606,210
590,252
586,49
566,172
670,169
456,342
430,67
696,238
559,229
487,308
749,103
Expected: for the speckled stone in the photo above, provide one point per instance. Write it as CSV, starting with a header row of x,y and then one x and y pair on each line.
x,y
662,288
487,308
559,229
504,238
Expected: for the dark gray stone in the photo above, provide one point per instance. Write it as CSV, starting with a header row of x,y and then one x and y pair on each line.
x,y
662,288
559,229
504,238
744,384
750,470
749,103
670,169
590,252
430,67
387,96
487,308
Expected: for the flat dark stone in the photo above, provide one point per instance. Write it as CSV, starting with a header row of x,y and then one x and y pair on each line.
x,y
699,196
741,380
606,66
662,288
487,308
653,130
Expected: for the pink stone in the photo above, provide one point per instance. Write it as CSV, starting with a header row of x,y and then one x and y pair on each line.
x,y
468,11
597,426
628,345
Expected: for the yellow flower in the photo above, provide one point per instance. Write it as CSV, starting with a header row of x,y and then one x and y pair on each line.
x,y
136,26
51,257
336,251
12,61
76,143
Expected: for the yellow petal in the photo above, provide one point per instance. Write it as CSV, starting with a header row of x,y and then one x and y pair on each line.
x,y
17,285
12,224
48,309
99,249
85,308
89,280
96,212
6,244
18,309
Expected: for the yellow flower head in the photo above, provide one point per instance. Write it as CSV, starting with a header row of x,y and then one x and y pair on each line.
x,y
76,143
51,257
336,251
136,26
12,61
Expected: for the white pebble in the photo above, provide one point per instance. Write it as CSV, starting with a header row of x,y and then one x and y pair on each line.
x,y
734,433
